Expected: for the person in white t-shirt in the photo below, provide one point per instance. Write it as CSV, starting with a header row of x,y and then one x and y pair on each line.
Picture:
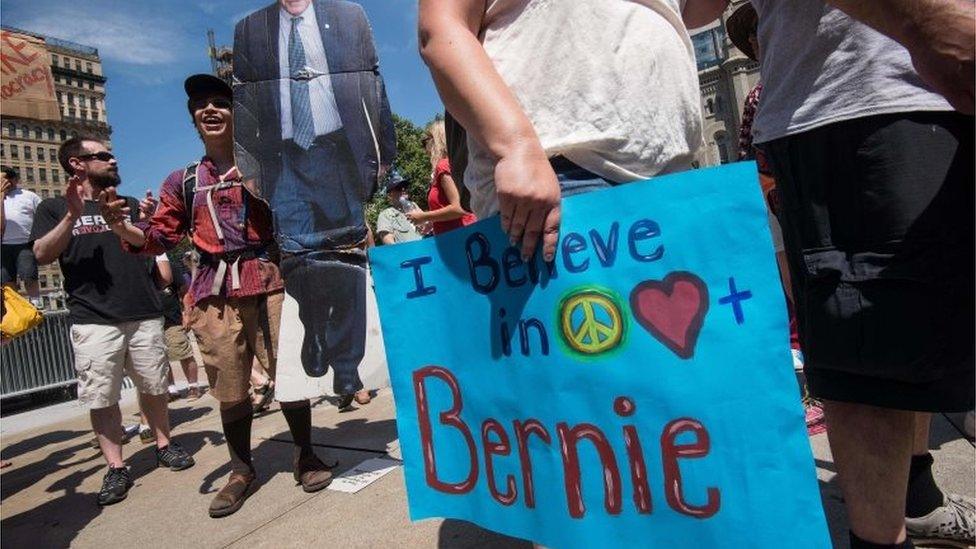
x,y
560,98
16,218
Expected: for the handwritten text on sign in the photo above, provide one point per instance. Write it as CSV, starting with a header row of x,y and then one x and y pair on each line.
x,y
26,85
647,365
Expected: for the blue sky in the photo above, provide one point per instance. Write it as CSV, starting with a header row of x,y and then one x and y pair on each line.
x,y
149,47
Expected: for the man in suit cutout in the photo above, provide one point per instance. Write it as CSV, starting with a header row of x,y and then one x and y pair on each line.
x,y
313,128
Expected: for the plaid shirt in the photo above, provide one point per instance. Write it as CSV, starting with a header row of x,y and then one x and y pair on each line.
x,y
170,223
746,149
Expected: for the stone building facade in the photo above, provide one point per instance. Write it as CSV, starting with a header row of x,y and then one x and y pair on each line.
x,y
31,146
725,77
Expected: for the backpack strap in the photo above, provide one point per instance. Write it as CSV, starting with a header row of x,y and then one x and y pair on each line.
x,y
189,190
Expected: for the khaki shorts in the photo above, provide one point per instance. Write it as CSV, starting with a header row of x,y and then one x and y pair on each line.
x,y
177,344
231,332
105,353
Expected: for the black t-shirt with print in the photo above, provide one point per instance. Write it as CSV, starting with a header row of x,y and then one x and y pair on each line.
x,y
104,283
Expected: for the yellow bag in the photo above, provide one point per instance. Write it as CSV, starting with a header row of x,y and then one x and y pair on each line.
x,y
19,315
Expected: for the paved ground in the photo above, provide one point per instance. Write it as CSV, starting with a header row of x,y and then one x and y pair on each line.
x,y
47,496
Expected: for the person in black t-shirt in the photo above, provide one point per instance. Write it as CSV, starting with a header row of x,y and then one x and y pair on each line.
x,y
114,309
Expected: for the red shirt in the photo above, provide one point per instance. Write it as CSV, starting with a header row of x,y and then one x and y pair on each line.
x,y
436,199
171,223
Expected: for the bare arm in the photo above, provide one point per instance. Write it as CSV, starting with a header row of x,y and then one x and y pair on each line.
x,y
116,214
939,35
48,247
164,273
698,13
387,238
453,210
474,92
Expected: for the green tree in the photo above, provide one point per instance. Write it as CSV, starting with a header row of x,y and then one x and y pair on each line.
x,y
411,162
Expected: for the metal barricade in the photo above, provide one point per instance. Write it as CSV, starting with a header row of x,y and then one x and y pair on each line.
x,y
41,359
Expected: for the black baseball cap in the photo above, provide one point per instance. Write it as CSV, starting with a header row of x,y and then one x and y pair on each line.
x,y
203,84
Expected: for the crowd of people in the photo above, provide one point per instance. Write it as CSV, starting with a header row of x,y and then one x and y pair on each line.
x,y
863,133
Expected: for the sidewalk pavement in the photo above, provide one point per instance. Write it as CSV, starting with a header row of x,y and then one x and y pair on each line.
x,y
47,497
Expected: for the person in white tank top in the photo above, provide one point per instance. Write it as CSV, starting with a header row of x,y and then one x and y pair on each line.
x,y
609,85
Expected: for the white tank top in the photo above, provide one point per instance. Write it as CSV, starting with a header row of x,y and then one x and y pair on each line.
x,y
609,84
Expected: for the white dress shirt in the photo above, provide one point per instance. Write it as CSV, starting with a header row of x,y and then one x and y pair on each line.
x,y
325,114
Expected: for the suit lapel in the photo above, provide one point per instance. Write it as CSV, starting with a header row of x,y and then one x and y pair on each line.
x,y
328,30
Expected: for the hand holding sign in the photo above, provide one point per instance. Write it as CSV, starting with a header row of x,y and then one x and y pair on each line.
x,y
602,396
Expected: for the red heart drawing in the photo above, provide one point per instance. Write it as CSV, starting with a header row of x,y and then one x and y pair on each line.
x,y
672,310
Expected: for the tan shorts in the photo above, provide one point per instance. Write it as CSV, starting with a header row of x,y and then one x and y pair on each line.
x,y
177,344
105,353
231,332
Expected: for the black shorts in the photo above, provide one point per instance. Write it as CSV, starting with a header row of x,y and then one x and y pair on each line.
x,y
877,218
17,262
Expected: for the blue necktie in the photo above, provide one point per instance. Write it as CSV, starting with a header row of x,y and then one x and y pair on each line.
x,y
302,124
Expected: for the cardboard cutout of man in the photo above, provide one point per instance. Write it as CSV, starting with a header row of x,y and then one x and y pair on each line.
x,y
315,133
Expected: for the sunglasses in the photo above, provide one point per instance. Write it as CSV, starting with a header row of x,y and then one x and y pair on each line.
x,y
218,103
104,156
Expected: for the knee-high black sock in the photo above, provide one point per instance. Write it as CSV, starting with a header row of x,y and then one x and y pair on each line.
x,y
858,543
299,417
923,495
237,431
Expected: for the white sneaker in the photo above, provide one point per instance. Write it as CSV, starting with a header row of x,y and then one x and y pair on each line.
x,y
952,525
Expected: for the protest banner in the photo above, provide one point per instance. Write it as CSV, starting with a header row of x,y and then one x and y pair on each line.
x,y
26,85
637,392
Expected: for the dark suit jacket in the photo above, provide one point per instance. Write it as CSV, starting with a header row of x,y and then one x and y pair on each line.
x,y
356,82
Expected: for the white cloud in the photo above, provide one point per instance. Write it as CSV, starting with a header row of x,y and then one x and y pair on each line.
x,y
122,36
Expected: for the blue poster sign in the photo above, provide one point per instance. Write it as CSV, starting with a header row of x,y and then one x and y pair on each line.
x,y
637,391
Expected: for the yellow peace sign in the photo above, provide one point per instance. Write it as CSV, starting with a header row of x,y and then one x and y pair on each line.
x,y
591,322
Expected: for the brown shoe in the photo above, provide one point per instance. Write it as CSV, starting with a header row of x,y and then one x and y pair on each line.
x,y
362,396
312,474
230,498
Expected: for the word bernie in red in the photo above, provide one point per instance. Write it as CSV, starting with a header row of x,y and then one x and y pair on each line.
x,y
495,442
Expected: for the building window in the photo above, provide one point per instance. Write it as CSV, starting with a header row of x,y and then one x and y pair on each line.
x,y
42,173
38,133
54,59
71,112
45,193
50,134
40,153
14,151
60,98
88,67
24,132
93,103
27,153
29,172
84,114
77,65
3,150
57,192
64,135
55,176
709,106
91,85
12,130
71,98
54,153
